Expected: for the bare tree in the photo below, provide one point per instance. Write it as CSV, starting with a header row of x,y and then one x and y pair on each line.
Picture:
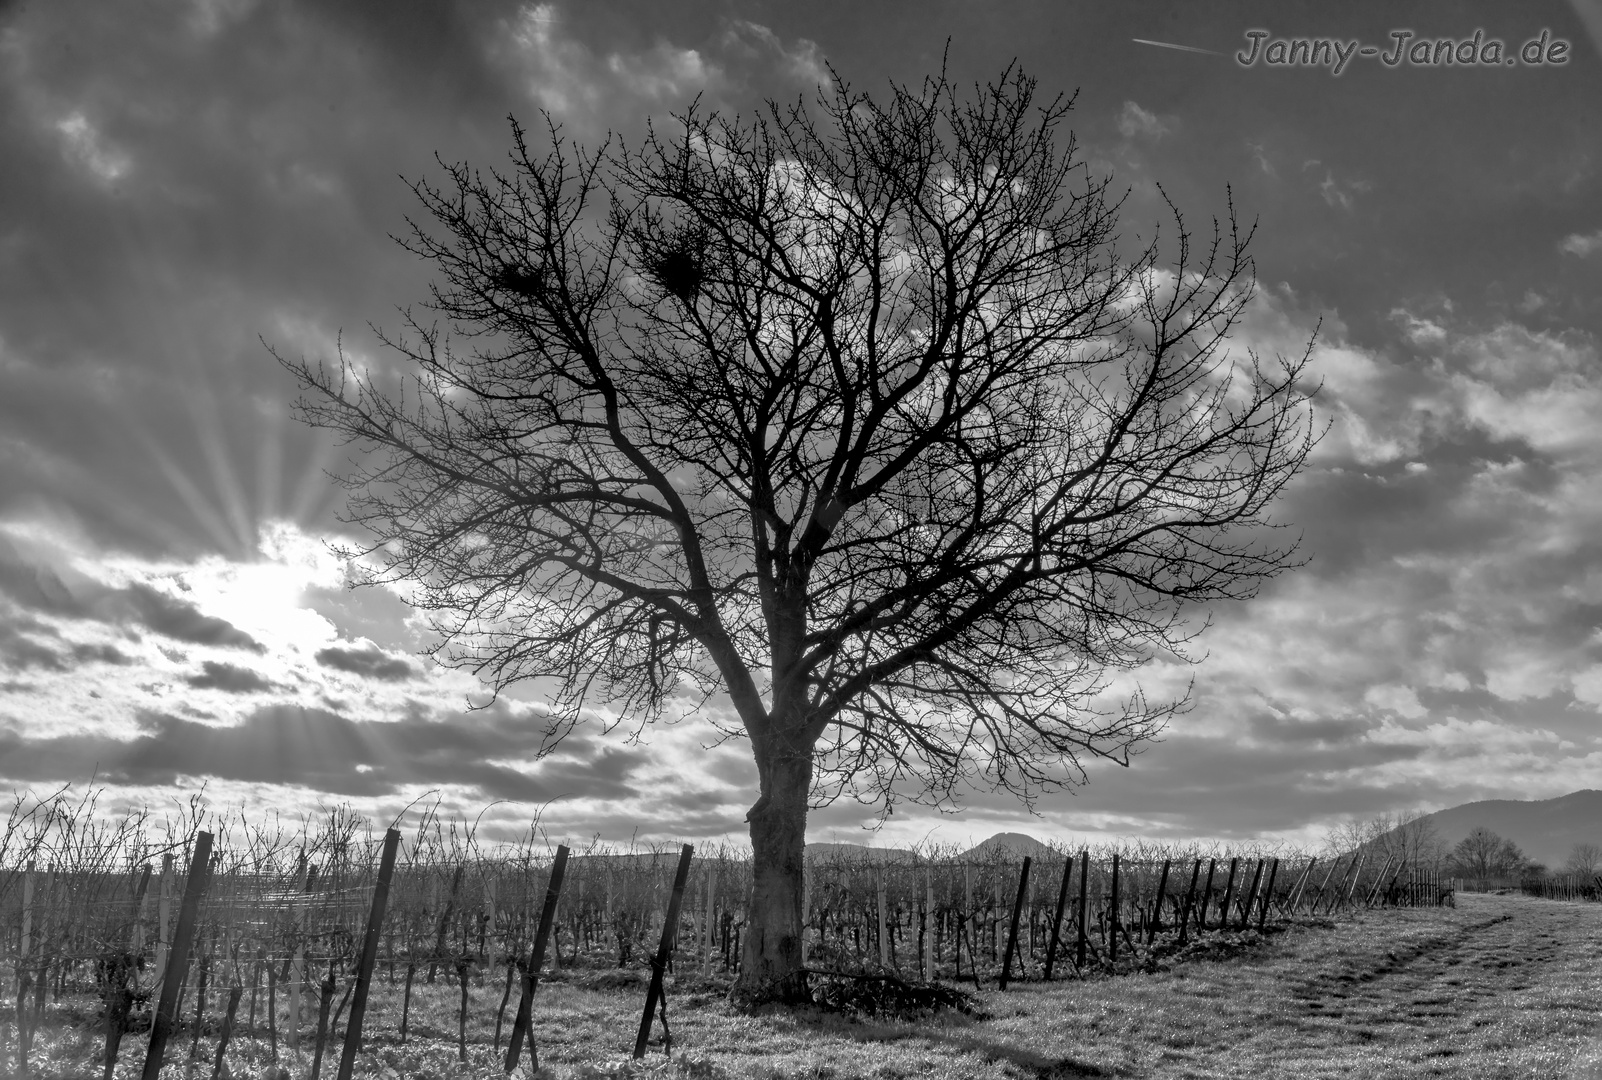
x,y
863,423
1584,859
1485,854
1409,836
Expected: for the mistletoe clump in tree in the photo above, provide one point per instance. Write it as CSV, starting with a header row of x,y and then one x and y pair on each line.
x,y
860,420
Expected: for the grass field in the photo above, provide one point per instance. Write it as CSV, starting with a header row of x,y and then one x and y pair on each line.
x,y
1500,986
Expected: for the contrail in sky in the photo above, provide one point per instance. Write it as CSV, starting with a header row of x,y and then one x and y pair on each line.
x,y
1181,48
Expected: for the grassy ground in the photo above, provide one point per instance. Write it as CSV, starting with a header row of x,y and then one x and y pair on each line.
x,y
1498,987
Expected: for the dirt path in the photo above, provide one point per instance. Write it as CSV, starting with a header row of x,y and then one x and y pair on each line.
x,y
1499,987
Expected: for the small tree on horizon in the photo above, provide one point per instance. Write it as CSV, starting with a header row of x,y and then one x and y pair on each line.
x,y
864,425
1485,854
1584,859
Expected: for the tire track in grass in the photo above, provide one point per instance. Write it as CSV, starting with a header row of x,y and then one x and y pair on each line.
x,y
1492,990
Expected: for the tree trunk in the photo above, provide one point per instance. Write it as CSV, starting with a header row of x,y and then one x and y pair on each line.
x,y
771,966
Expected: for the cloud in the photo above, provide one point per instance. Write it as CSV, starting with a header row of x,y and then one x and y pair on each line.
x,y
1134,121
1418,330
802,62
19,652
665,73
371,662
489,752
228,678
1402,700
181,621
88,147
1342,193
1583,245
28,579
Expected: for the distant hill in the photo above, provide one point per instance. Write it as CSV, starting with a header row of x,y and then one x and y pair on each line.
x,y
1545,828
1016,843
868,856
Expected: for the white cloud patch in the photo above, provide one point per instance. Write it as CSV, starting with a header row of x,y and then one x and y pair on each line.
x,y
1402,700
802,62
1376,419
207,17
86,147
1341,194
1525,677
1419,331
1136,122
1539,388
1587,686
575,83
558,72
1583,245
664,73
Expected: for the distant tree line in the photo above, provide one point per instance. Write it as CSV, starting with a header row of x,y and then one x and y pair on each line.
x,y
1413,837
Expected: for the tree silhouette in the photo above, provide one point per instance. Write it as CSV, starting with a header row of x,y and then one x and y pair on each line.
x,y
1584,859
1485,854
864,424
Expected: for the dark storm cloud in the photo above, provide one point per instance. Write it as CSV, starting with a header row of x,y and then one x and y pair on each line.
x,y
373,663
319,750
33,584
228,678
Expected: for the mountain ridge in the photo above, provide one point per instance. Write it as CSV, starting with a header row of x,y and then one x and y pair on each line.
x,y
1546,829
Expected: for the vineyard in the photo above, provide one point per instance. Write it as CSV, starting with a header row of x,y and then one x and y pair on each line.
x,y
214,940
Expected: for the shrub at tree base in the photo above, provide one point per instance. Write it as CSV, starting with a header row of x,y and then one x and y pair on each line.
x,y
887,996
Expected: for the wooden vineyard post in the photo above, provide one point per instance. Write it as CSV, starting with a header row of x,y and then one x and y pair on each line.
x,y
24,982
1294,901
1012,932
1190,897
1380,883
1206,897
1251,897
711,912
929,953
297,977
166,1014
965,926
364,970
1229,893
1084,907
664,949
1112,915
1056,919
884,938
1348,877
525,1004
1268,896
489,927
163,923
1312,908
1357,876
1157,908
1349,887
1339,883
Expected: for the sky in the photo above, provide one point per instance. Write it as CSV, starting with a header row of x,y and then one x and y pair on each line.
x,y
184,183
